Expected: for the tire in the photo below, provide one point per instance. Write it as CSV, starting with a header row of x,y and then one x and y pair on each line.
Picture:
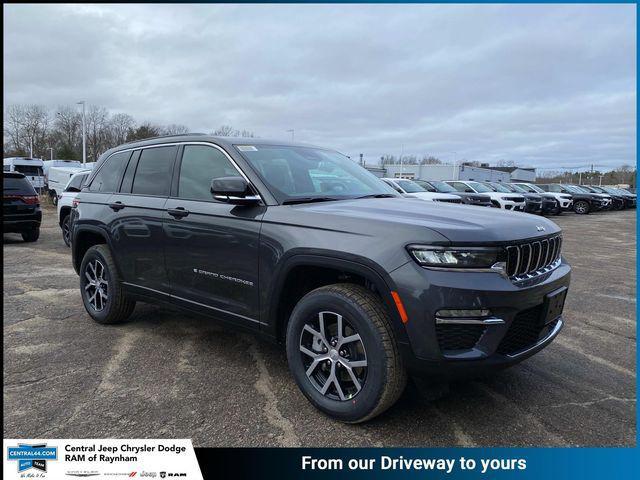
x,y
31,235
362,313
66,230
54,199
581,207
110,306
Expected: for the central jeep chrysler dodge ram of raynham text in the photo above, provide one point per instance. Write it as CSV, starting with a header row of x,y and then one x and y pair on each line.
x,y
302,245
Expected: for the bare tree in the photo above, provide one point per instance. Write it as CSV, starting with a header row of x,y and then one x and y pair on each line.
x,y
26,126
430,160
120,125
97,126
229,131
174,129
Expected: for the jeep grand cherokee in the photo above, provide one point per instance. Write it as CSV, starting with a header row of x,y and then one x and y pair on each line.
x,y
303,246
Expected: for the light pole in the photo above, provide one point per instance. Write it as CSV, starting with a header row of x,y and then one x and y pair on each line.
x,y
84,135
51,150
292,132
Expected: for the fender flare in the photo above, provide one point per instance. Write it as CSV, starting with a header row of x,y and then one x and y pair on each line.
x,y
77,231
349,263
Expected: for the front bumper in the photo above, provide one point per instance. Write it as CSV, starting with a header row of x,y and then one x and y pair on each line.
x,y
426,354
510,205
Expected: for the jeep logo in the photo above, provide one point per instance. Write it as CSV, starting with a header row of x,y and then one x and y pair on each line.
x,y
539,228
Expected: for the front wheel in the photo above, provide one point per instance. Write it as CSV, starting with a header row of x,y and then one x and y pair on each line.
x,y
343,354
101,289
581,207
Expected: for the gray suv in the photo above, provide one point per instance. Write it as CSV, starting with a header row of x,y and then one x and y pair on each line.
x,y
303,246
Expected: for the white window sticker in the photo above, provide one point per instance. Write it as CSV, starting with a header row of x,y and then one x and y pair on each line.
x,y
247,148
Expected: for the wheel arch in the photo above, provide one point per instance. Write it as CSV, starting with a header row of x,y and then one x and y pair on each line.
x,y
85,237
290,285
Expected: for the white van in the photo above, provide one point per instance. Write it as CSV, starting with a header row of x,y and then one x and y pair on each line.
x,y
32,168
58,163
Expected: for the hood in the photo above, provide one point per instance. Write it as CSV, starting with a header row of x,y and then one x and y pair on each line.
x,y
411,220
433,196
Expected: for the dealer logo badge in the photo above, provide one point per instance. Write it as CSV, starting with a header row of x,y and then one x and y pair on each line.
x,y
32,456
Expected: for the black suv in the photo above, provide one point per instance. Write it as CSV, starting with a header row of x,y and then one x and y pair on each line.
x,y
583,201
304,246
21,211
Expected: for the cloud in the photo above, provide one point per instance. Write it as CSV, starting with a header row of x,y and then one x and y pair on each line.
x,y
543,85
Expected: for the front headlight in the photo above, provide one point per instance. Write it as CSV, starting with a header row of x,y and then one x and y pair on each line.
x,y
455,257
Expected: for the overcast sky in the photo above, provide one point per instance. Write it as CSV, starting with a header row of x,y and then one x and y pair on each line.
x,y
543,85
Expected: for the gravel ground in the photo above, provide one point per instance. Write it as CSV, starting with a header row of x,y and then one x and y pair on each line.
x,y
171,374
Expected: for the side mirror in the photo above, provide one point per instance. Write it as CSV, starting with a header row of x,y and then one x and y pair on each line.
x,y
469,190
233,190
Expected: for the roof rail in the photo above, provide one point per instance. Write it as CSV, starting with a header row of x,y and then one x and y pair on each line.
x,y
164,136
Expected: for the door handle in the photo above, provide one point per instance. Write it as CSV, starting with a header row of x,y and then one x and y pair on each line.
x,y
178,212
116,206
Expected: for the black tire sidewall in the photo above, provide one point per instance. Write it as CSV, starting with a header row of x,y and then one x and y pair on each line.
x,y
31,235
102,315
367,399
66,221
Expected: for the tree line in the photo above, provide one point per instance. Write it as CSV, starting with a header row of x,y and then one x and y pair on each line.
x,y
35,130
625,174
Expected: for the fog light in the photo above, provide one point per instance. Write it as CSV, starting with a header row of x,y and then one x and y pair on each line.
x,y
483,312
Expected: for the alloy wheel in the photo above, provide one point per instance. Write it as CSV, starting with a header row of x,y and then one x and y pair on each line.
x,y
97,287
333,356
581,207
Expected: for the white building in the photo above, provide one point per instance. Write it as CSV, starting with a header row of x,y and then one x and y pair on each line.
x,y
458,172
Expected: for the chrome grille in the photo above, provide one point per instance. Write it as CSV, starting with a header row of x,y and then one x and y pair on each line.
x,y
528,259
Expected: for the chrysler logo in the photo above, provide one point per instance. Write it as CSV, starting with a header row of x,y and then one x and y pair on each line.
x,y
539,228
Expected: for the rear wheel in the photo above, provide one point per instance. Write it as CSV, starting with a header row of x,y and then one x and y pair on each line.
x,y
101,289
581,207
342,353
31,235
66,230
54,198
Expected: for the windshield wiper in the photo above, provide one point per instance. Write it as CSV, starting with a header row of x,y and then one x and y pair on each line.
x,y
293,201
378,195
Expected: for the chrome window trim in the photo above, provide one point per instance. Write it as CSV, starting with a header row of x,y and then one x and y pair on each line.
x,y
173,144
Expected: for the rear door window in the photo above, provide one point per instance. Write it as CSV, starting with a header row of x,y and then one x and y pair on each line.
x,y
153,175
107,180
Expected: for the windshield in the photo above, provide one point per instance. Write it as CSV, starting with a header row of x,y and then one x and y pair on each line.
x,y
410,186
480,188
501,188
443,187
518,188
427,186
575,189
303,173
28,170
534,188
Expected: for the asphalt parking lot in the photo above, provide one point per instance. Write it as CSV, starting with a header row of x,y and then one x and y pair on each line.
x,y
171,374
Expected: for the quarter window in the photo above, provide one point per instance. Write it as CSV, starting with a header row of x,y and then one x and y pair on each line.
x,y
201,164
153,175
107,180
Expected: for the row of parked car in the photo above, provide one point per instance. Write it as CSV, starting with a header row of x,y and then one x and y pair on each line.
x,y
23,214
541,199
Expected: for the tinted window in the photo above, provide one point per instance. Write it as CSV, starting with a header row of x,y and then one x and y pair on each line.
x,y
76,182
409,186
153,175
200,164
108,177
28,170
459,186
127,180
6,168
17,186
